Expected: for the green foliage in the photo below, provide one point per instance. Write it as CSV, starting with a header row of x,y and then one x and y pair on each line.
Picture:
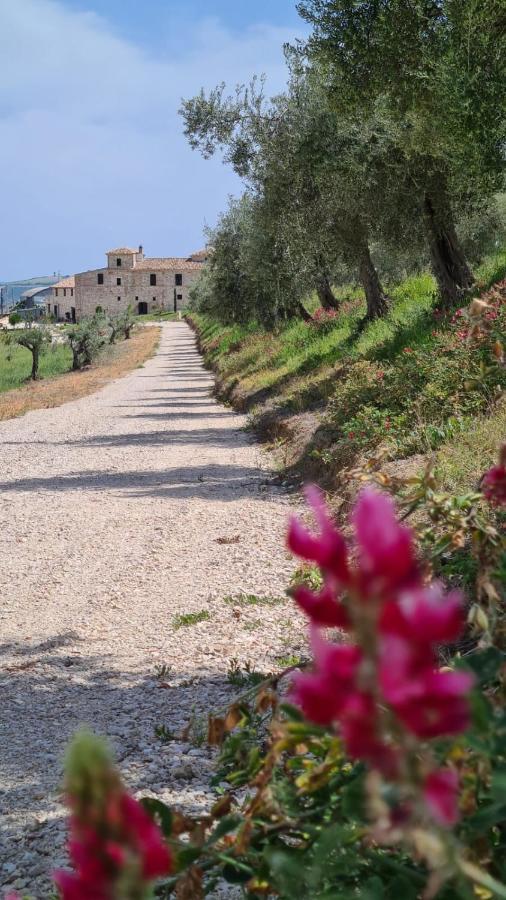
x,y
35,339
184,620
87,339
16,363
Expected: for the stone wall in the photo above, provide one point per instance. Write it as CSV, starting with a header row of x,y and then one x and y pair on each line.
x,y
135,289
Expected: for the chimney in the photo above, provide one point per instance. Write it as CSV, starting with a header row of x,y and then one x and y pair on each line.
x,y
141,250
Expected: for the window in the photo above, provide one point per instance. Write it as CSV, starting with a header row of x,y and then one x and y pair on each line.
x,y
118,281
55,310
118,262
64,292
179,296
119,299
56,292
152,280
100,278
154,299
136,299
71,292
179,280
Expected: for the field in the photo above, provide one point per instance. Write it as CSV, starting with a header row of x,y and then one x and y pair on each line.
x,y
57,384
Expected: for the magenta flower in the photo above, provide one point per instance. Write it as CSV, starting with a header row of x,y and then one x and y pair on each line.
x,y
493,484
424,616
386,552
115,848
440,793
388,682
323,608
328,549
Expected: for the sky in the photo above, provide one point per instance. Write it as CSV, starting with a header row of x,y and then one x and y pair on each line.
x,y
92,151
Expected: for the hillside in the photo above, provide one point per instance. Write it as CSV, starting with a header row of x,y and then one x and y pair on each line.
x,y
330,395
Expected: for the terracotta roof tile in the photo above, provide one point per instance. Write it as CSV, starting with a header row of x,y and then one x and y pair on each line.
x,y
65,283
120,250
171,263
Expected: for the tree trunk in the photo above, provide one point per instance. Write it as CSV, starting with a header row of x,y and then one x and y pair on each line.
x,y
449,264
377,302
35,363
325,293
302,312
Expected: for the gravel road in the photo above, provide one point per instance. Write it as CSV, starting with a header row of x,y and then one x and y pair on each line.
x,y
120,512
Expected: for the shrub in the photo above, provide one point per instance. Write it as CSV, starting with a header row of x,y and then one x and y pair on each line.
x,y
86,340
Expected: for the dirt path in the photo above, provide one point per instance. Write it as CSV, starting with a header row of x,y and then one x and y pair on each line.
x,y
113,508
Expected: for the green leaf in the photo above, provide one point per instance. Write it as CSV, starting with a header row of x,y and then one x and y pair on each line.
x,y
487,816
188,856
160,812
353,802
225,826
485,664
235,875
291,712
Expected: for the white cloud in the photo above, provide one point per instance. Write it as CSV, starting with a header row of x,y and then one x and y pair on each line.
x,y
91,146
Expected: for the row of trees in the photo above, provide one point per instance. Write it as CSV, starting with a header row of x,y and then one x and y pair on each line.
x,y
86,339
390,133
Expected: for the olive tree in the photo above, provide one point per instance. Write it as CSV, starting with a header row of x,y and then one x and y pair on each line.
x,y
435,69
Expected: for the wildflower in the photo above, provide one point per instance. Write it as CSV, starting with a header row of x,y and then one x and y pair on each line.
x,y
328,550
441,796
493,483
323,608
397,624
386,552
380,376
351,435
115,848
407,350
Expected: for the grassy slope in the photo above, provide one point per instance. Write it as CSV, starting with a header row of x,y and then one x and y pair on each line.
x,y
398,382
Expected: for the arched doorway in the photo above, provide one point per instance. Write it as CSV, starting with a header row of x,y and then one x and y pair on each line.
x,y
143,309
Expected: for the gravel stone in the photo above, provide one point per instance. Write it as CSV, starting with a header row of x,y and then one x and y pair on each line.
x,y
110,514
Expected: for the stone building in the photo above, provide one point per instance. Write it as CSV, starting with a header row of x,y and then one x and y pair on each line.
x,y
62,304
132,279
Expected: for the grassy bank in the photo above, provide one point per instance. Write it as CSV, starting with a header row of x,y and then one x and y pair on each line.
x,y
55,388
332,393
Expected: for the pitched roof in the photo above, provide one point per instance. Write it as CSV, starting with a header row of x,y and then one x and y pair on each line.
x,y
66,283
121,250
200,255
170,263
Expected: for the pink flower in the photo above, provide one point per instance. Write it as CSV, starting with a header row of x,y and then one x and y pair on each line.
x,y
328,549
322,694
387,557
424,616
115,847
323,609
493,484
441,796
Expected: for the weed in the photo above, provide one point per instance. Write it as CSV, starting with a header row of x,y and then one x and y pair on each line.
x,y
164,734
243,676
252,600
286,662
184,620
162,670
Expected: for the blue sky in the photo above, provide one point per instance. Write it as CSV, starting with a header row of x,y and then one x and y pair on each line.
x,y
92,153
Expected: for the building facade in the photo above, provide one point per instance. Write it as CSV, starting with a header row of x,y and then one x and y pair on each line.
x,y
133,280
62,305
